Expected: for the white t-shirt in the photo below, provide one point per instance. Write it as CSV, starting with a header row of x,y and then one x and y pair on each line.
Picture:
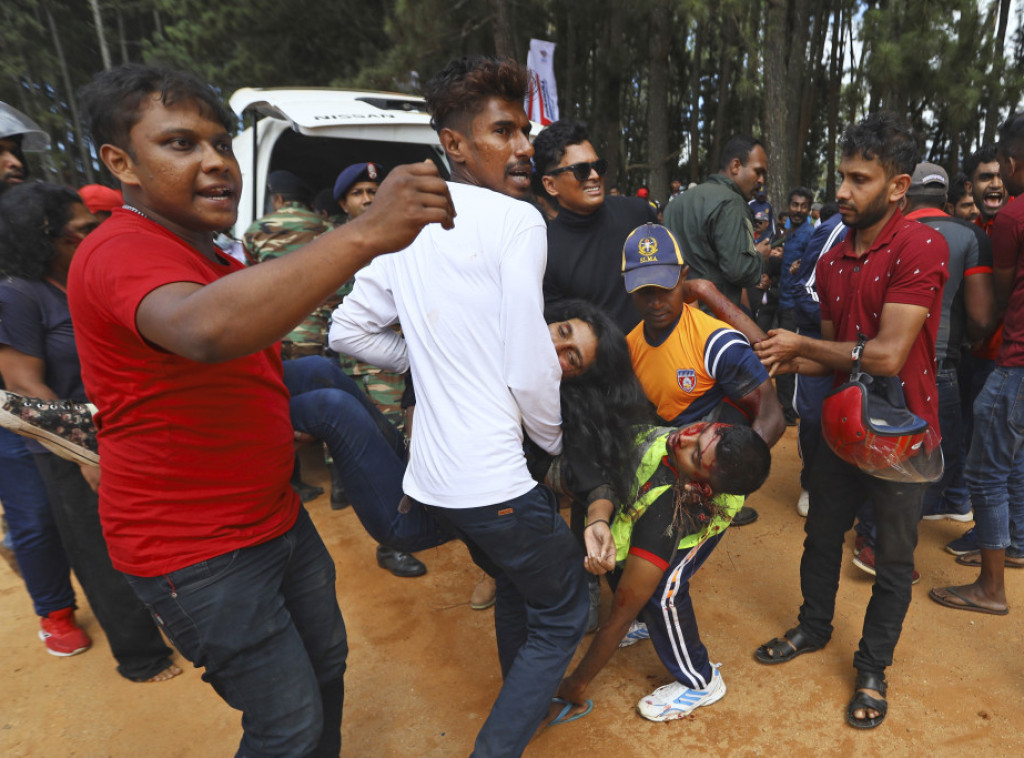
x,y
471,308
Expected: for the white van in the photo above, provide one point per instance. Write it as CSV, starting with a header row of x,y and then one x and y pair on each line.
x,y
316,133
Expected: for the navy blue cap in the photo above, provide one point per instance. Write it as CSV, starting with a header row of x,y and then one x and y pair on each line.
x,y
651,258
357,172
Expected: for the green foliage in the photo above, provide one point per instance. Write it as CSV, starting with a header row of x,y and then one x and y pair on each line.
x,y
941,65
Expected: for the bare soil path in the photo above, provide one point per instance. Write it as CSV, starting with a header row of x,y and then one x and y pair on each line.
x,y
423,670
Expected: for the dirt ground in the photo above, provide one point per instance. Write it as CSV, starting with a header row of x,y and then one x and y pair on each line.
x,y
423,670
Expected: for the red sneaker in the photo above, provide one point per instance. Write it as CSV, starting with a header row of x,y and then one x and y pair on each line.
x,y
864,558
62,635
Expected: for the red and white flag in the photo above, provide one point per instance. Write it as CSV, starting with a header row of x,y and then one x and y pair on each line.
x,y
542,102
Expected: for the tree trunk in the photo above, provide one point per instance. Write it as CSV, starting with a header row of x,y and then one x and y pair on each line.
x,y
100,35
657,99
813,79
834,81
797,34
606,100
69,93
996,76
727,41
694,89
502,29
120,35
776,101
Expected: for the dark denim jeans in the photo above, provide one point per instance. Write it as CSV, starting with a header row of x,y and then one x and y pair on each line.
x,y
995,463
265,624
541,608
842,489
134,639
369,452
33,532
809,394
949,494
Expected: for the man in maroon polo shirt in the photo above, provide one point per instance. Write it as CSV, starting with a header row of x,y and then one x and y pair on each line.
x,y
885,282
997,444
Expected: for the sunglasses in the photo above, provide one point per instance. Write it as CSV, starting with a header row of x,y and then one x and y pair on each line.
x,y
581,171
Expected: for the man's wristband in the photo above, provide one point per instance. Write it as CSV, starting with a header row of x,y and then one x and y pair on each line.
x,y
596,521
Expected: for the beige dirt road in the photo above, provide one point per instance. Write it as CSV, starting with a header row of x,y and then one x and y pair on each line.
x,y
423,669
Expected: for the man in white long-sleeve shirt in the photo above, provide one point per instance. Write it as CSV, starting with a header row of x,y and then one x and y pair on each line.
x,y
471,310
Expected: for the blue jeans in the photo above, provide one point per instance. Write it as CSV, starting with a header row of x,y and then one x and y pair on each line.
x,y
369,453
34,536
265,624
540,611
808,397
995,462
949,494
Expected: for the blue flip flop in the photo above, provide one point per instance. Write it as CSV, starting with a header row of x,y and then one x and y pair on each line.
x,y
561,717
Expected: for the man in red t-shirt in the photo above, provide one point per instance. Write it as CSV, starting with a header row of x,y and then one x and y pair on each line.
x,y
181,355
995,460
884,281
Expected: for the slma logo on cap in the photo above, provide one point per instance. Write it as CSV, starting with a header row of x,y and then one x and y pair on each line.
x,y
648,250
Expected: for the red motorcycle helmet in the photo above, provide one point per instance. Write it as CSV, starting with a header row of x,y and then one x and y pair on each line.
x,y
866,422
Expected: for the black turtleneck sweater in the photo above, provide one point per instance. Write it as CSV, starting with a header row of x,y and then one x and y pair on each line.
x,y
585,256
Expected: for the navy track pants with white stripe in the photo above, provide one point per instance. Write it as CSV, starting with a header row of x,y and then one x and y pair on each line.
x,y
671,621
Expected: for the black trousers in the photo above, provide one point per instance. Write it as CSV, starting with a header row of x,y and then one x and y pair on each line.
x,y
837,490
134,639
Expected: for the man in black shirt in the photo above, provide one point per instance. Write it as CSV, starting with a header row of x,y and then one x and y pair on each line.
x,y
585,239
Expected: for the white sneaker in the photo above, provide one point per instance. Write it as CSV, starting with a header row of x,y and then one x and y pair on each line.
x,y
804,503
637,632
673,701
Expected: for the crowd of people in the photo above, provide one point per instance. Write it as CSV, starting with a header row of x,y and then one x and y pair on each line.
x,y
533,341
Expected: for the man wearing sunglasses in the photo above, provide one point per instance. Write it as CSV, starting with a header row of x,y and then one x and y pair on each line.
x,y
585,239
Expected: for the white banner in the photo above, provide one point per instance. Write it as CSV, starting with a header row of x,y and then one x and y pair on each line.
x,y
542,102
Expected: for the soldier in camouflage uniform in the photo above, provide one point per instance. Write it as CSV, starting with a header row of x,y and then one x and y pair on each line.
x,y
288,227
353,191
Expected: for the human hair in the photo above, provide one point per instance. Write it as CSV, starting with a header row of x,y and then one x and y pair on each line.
x,y
828,210
738,147
463,86
601,407
324,204
113,100
550,145
957,189
984,154
1011,136
883,136
301,197
31,217
742,461
801,192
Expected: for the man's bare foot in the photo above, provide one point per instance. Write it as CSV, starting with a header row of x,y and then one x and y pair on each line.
x,y
970,597
168,673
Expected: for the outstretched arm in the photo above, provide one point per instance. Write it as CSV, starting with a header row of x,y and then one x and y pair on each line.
x,y
251,309
639,581
722,308
884,354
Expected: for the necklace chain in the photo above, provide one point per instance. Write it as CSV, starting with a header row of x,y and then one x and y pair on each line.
x,y
133,209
